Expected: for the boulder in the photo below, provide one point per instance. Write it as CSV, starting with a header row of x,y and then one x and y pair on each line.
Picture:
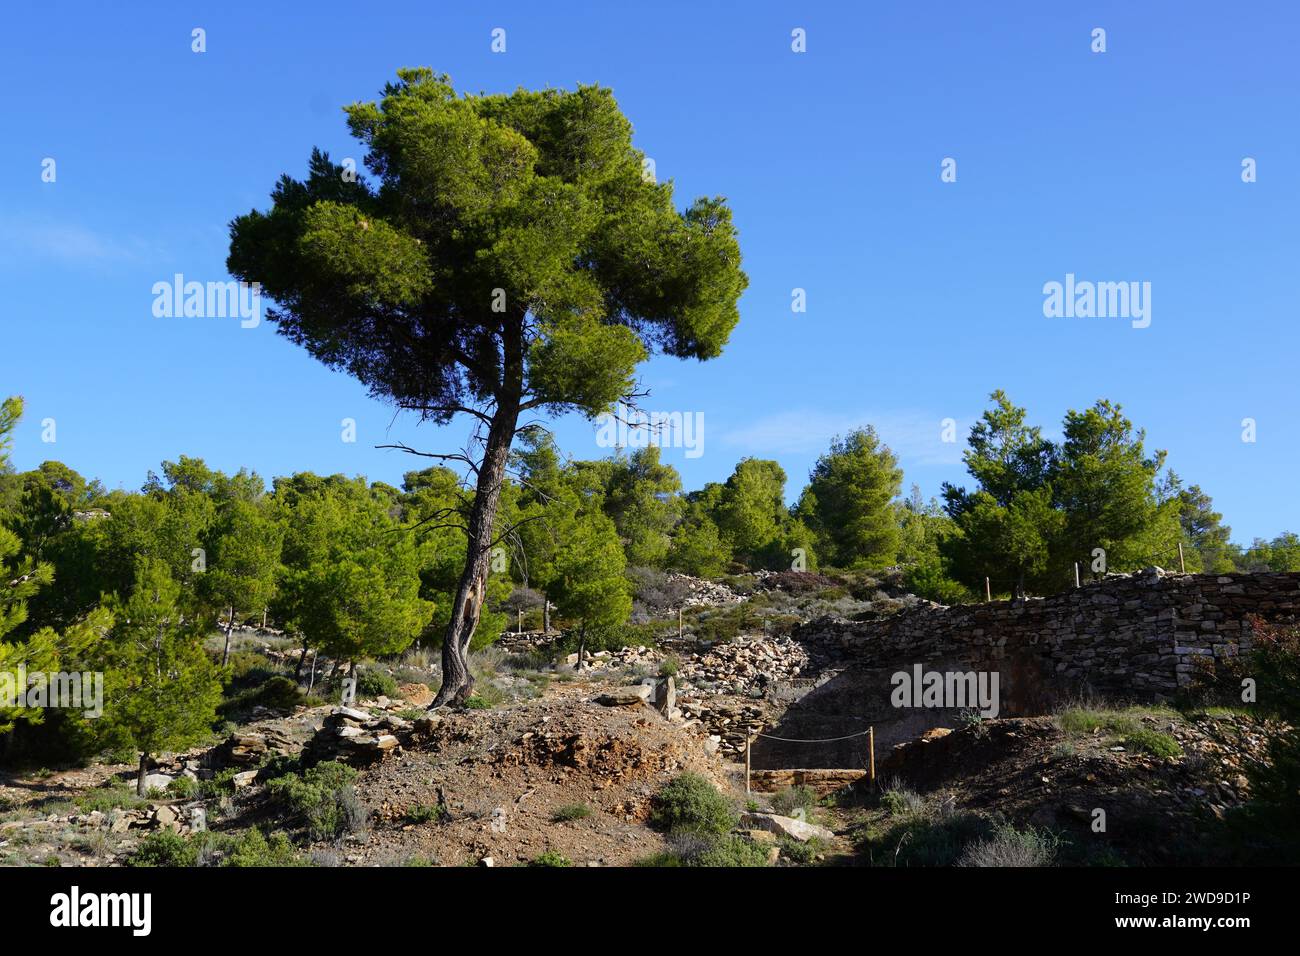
x,y
785,826
157,781
626,696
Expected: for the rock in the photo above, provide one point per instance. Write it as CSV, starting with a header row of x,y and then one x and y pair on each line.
x,y
157,781
666,696
165,817
785,826
765,837
487,861
417,695
245,779
626,696
351,713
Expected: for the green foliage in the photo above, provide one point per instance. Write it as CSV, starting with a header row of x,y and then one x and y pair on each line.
x,y
375,683
848,502
277,693
1125,726
251,848
161,689
351,579
423,813
690,803
590,586
1041,507
551,858
323,797
786,802
570,812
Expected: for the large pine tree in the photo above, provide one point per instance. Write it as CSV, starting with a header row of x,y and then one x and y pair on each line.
x,y
511,257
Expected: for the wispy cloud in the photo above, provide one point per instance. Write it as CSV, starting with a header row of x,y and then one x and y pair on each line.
x,y
70,242
916,437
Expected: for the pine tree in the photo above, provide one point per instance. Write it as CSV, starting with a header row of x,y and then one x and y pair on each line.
x,y
162,688
514,258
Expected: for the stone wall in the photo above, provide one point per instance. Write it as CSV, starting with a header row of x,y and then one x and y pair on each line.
x,y
1128,637
1135,635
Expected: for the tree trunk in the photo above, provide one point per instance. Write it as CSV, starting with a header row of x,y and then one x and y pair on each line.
x,y
582,645
302,659
546,616
142,773
230,626
457,683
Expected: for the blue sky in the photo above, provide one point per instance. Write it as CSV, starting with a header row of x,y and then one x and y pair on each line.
x,y
922,296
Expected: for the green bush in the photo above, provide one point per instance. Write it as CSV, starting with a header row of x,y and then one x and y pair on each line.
x,y
572,811
375,683
278,693
551,858
183,788
690,803
694,850
250,848
795,798
323,797
254,849
802,853
164,848
732,852
423,813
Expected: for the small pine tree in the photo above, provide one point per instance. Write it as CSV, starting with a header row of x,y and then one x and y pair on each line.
x,y
163,689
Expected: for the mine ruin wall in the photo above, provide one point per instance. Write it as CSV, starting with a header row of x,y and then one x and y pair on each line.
x,y
1134,636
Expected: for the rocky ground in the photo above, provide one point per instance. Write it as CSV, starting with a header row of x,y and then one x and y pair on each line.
x,y
564,760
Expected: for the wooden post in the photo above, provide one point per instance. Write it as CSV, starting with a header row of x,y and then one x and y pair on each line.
x,y
1076,574
749,739
521,620
871,760
1182,565
988,593
679,624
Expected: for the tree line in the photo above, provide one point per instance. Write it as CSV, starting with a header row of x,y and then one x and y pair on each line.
x,y
131,583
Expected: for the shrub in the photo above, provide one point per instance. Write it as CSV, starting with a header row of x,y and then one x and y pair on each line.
x,y
278,693
668,667
1012,847
323,797
802,853
375,683
795,798
425,813
254,849
183,787
551,858
251,848
104,799
572,811
690,803
164,848
899,801
699,850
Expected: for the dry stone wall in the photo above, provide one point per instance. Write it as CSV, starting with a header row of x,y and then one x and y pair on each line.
x,y
1134,636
